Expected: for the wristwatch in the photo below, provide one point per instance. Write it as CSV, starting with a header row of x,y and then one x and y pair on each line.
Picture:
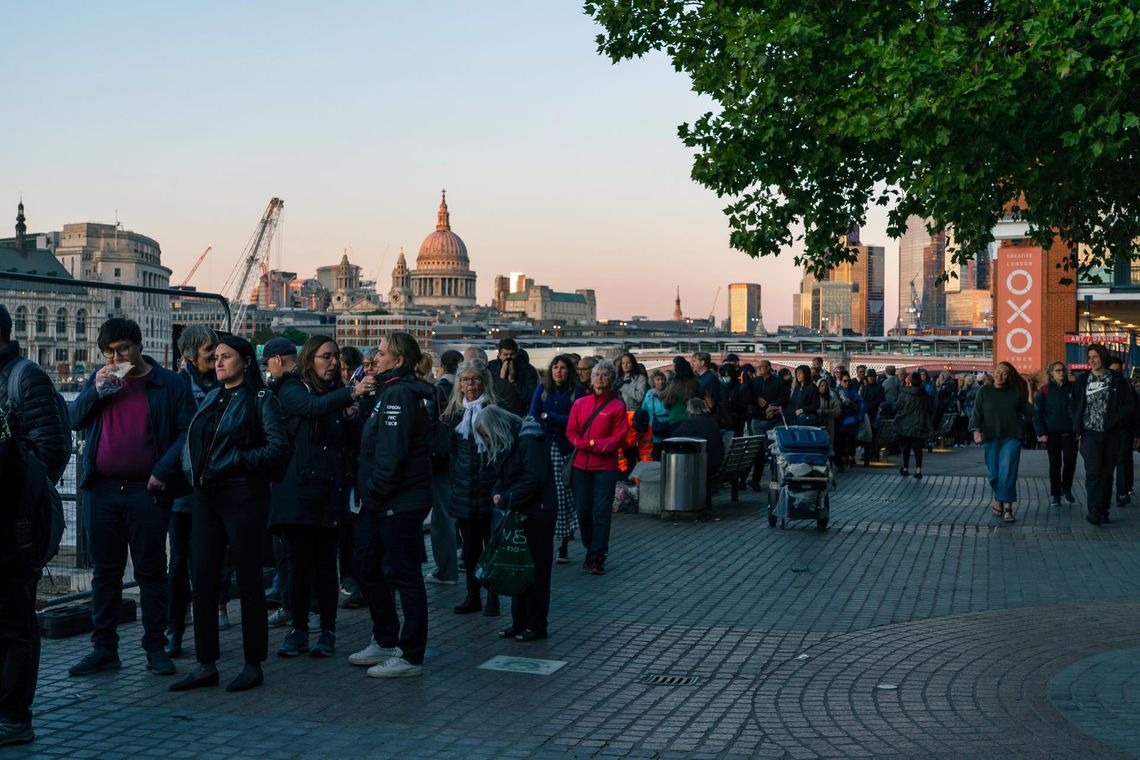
x,y
591,443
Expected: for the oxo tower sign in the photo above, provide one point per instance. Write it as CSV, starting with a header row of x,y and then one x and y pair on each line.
x,y
1018,315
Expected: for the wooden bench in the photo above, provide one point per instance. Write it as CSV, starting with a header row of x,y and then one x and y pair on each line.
x,y
738,462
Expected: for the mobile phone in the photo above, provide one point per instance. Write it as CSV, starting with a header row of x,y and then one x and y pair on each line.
x,y
358,375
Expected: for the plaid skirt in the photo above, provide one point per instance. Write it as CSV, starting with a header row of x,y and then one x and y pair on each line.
x,y
566,521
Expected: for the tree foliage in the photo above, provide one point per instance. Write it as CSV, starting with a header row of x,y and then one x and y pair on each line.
x,y
942,109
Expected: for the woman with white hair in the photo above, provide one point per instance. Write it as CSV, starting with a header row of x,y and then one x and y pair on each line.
x,y
471,475
525,485
597,428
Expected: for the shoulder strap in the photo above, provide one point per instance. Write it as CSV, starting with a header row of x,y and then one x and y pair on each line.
x,y
597,410
12,382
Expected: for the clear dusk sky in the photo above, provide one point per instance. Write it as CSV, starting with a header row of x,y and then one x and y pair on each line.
x,y
186,118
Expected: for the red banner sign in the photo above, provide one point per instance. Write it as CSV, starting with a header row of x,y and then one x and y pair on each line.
x,y
1018,322
1108,338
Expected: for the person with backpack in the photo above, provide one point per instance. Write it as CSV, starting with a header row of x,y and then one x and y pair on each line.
x,y
134,415
236,444
307,507
1054,428
34,438
596,428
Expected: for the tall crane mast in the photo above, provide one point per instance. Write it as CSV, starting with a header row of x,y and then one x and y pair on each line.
x,y
712,311
254,258
193,269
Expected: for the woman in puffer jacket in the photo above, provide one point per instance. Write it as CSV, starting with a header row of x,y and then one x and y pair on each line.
x,y
471,474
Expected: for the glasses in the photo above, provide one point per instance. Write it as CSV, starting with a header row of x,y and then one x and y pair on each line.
x,y
328,357
122,351
469,380
1058,369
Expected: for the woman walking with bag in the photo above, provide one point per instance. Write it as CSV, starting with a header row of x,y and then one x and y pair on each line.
x,y
235,441
311,502
597,427
1000,413
550,407
525,485
914,423
471,476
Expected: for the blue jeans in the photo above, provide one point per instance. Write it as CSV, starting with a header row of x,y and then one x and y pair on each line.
x,y
442,531
594,497
1003,455
118,519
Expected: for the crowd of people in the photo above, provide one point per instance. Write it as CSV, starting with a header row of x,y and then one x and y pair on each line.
x,y
325,462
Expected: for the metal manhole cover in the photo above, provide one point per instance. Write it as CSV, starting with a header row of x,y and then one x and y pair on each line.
x,y
669,680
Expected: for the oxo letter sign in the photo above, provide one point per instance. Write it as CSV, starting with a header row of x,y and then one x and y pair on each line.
x,y
1018,291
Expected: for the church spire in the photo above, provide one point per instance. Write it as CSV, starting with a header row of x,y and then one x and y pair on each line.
x,y
21,228
677,315
443,221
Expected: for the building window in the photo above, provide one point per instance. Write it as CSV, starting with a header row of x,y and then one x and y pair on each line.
x,y
80,355
80,323
41,322
61,356
118,303
21,322
118,272
61,323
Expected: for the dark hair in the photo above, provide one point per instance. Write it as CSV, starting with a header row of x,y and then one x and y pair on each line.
x,y
116,329
406,347
915,379
252,380
683,388
307,365
349,357
637,368
1101,351
571,383
450,361
806,370
509,344
5,324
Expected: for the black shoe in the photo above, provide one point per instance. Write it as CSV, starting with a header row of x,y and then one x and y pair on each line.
x,y
918,474
1093,519
599,566
492,608
248,679
325,646
98,659
1054,501
563,554
15,733
1123,501
588,562
173,647
195,680
296,643
470,604
509,633
1069,497
904,471
158,662
530,635
353,601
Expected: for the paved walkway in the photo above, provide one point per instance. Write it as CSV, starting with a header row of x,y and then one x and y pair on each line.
x,y
917,626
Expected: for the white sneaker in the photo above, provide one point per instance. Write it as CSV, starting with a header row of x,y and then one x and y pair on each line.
x,y
314,622
223,620
374,654
395,667
280,618
433,578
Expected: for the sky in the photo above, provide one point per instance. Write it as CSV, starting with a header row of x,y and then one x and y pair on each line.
x,y
182,120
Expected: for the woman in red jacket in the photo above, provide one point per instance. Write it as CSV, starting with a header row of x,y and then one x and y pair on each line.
x,y
596,429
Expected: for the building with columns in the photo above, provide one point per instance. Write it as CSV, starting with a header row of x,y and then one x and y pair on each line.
x,y
442,278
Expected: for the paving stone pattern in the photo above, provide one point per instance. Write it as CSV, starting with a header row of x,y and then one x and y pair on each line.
x,y
917,626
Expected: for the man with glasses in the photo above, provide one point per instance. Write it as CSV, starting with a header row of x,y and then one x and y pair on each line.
x,y
585,366
134,415
1054,428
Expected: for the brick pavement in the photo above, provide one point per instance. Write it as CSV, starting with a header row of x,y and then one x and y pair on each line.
x,y
997,640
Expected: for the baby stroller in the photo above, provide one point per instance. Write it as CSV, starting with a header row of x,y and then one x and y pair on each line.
x,y
799,456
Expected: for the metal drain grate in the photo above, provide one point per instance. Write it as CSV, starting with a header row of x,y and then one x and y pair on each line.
x,y
669,680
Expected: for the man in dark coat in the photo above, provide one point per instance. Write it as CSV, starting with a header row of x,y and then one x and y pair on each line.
x,y
38,417
515,380
1103,404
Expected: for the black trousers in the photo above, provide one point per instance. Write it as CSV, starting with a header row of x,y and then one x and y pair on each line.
x,y
233,513
387,560
531,608
19,644
121,518
1099,452
475,532
283,561
1124,463
180,528
346,540
314,553
1062,450
909,443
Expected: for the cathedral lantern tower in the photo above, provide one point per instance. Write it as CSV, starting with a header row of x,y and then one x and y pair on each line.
x,y
400,296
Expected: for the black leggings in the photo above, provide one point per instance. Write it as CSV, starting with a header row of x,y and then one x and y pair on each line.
x,y
909,443
313,551
476,532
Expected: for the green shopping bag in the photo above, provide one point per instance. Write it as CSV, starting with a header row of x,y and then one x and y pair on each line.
x,y
507,566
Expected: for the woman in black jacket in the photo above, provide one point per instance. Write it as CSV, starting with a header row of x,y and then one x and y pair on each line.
x,y
471,475
308,506
1054,428
803,400
914,423
235,442
525,484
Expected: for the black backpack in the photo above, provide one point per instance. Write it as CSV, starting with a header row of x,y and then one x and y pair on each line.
x,y
37,520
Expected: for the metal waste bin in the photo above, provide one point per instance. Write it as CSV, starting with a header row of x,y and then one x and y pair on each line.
x,y
684,471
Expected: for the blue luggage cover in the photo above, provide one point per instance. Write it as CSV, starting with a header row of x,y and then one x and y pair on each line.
x,y
802,438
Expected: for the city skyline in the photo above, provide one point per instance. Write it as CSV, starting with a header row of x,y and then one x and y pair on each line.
x,y
556,162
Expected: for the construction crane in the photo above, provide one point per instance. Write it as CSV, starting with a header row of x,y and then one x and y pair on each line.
x,y
712,311
255,258
193,269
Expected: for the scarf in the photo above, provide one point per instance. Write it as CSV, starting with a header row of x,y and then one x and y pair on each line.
x,y
466,426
